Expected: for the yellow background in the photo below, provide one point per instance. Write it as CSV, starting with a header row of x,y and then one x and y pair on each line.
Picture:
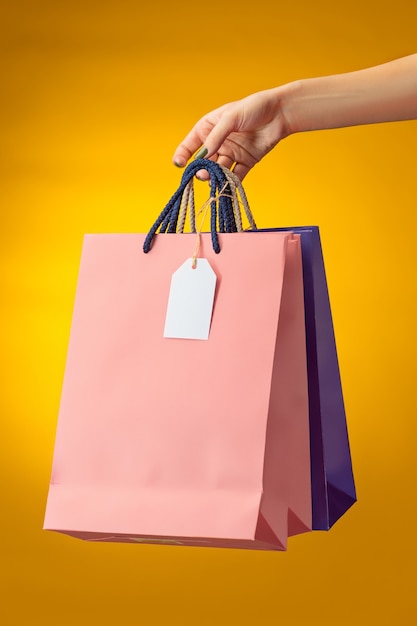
x,y
94,97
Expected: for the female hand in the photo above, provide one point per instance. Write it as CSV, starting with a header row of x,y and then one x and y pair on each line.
x,y
240,132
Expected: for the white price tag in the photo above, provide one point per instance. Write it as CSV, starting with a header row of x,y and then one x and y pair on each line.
x,y
190,302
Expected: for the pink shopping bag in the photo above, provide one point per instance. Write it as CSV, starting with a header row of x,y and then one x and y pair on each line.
x,y
176,440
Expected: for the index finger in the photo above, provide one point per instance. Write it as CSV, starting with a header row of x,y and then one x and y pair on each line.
x,y
189,145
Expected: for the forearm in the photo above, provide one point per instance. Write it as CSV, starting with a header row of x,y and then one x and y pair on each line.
x,y
384,93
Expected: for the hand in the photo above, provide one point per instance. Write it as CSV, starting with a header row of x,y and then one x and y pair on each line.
x,y
239,133
242,132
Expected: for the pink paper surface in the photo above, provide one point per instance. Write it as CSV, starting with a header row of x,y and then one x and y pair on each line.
x,y
288,436
166,437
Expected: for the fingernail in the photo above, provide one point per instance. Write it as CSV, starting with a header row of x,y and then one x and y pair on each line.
x,y
177,164
201,153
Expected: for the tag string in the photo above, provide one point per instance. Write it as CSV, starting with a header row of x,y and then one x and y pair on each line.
x,y
203,209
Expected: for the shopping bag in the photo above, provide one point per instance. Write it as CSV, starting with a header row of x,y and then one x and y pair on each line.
x,y
333,488
194,442
332,482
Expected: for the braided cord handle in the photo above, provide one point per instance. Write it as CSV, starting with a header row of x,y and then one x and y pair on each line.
x,y
237,195
223,206
237,190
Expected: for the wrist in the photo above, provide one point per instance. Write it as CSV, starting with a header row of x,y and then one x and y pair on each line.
x,y
288,103
311,104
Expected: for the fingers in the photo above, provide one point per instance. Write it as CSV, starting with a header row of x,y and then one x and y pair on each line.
x,y
195,139
210,139
225,161
218,135
218,158
186,149
208,134
241,170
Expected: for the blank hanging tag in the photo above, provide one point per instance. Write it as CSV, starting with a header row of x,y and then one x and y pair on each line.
x,y
190,302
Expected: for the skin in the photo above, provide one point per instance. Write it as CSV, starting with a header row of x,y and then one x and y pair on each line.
x,y
241,133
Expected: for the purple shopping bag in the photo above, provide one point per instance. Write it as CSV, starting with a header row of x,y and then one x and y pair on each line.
x,y
332,483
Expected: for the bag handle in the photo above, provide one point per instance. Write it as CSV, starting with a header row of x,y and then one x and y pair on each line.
x,y
237,195
225,210
237,190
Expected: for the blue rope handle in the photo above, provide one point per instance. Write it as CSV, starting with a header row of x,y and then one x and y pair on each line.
x,y
222,221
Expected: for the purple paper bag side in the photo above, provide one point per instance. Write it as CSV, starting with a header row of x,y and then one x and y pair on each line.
x,y
332,483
